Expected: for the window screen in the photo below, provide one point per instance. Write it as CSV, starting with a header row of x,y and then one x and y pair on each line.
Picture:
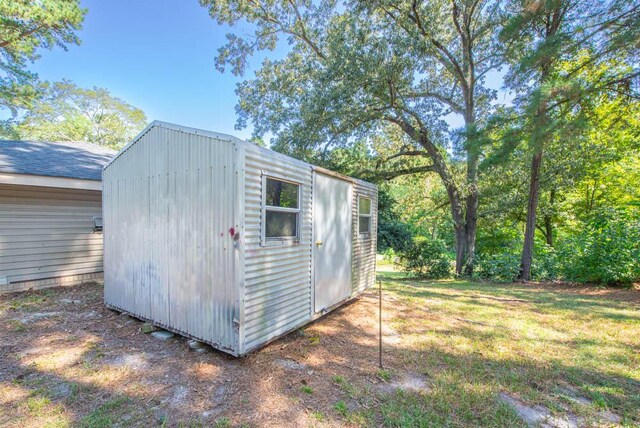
x,y
364,215
282,209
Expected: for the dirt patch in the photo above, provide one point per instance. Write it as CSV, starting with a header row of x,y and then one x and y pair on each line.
x,y
67,359
541,416
406,381
537,415
290,364
75,362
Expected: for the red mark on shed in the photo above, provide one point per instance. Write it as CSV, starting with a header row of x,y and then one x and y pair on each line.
x,y
232,231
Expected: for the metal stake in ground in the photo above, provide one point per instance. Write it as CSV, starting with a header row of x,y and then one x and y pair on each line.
x,y
380,322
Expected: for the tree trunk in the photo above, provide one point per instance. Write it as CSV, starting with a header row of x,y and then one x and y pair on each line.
x,y
455,201
461,241
459,227
530,228
471,219
548,219
548,230
552,22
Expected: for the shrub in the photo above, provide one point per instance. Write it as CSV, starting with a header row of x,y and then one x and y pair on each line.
x,y
505,266
545,263
390,256
395,235
606,250
427,258
501,267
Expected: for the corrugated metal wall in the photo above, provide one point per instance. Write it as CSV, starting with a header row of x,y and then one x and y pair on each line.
x,y
277,279
48,233
169,211
364,246
170,203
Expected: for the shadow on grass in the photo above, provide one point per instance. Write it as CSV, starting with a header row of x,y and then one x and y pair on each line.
x,y
543,299
340,350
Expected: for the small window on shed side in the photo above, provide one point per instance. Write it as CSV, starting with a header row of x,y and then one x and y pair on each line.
x,y
281,209
364,215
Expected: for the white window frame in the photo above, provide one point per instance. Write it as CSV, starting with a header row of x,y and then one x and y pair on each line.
x,y
369,216
283,240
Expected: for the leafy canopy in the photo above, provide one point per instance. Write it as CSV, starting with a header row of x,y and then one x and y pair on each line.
x,y
27,26
66,112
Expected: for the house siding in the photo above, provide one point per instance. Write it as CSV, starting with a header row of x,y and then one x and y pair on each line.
x,y
46,235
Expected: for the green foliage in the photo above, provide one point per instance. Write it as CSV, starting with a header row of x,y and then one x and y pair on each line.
x,y
342,408
66,112
389,256
545,263
106,414
427,258
499,267
362,69
394,235
606,250
26,27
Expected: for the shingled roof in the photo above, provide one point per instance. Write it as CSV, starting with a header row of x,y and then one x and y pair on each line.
x,y
68,159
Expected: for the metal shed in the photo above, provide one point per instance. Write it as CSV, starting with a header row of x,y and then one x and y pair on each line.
x,y
228,242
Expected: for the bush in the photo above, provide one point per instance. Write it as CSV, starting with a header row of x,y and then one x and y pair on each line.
x,y
390,256
505,266
501,267
545,263
427,258
395,235
606,250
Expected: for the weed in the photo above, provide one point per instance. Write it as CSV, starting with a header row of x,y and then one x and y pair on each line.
x,y
318,416
306,389
385,375
341,408
36,405
105,415
222,422
338,379
17,325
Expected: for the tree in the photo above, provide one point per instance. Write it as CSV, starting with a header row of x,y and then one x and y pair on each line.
x,y
354,72
543,35
65,112
26,27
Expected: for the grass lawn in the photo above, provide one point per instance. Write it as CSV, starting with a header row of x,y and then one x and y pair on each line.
x,y
456,354
573,350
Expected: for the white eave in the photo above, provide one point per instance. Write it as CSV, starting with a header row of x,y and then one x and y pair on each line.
x,y
47,181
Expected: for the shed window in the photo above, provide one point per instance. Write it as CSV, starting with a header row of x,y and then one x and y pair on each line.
x,y
282,209
364,215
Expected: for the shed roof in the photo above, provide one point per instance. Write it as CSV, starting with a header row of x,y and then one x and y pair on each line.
x,y
62,159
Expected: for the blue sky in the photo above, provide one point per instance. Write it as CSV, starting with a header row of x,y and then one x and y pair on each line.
x,y
159,56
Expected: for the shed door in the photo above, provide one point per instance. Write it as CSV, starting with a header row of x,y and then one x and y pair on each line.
x,y
332,240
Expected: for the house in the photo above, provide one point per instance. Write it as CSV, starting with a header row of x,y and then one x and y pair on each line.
x,y
50,213
230,243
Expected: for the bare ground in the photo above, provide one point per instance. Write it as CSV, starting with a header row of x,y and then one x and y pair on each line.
x,y
460,352
64,356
